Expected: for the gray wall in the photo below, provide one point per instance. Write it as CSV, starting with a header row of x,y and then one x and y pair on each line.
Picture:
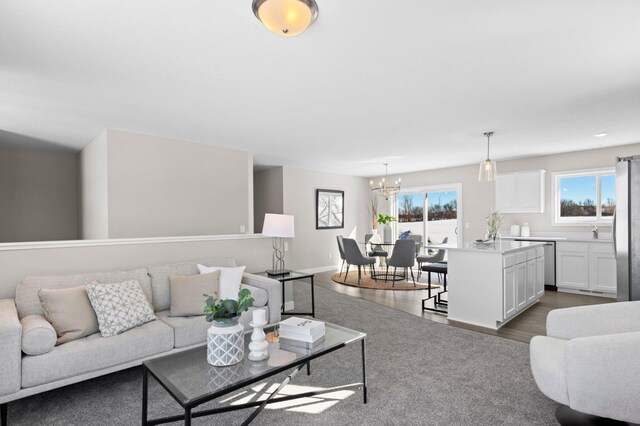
x,y
163,187
267,195
479,198
93,189
312,248
255,253
38,195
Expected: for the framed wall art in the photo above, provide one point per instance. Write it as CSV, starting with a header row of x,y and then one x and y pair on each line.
x,y
329,209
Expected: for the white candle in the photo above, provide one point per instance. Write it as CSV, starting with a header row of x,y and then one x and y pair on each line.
x,y
259,316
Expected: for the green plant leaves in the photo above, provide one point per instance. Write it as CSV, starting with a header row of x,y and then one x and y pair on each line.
x,y
225,310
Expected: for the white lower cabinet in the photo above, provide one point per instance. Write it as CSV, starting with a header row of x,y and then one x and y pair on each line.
x,y
586,266
523,281
509,292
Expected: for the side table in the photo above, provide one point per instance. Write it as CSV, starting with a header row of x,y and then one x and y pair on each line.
x,y
293,276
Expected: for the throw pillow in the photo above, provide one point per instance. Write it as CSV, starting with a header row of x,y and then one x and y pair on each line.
x,y
119,307
38,335
69,312
187,293
230,279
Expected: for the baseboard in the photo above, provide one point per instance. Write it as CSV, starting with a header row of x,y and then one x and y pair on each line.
x,y
288,306
586,292
319,269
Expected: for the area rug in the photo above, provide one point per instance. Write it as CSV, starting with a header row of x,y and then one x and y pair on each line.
x,y
367,282
419,373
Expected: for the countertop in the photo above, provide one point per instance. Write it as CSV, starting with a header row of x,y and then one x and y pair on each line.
x,y
605,238
500,247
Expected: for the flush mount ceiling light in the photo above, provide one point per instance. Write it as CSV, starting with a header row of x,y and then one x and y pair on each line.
x,y
488,168
286,18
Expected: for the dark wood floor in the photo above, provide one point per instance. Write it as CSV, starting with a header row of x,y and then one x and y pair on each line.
x,y
530,323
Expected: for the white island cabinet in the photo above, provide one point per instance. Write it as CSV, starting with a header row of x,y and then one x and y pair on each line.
x,y
489,285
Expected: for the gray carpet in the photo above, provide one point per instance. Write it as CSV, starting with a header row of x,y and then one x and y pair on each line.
x,y
419,372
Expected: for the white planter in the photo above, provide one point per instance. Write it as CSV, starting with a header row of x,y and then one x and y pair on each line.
x,y
225,343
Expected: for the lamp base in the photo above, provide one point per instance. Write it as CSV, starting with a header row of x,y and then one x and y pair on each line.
x,y
278,272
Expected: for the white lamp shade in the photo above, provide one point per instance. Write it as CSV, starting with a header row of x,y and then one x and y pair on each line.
x,y
278,225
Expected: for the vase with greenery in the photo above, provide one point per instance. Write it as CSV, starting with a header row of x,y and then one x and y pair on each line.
x,y
494,222
225,337
386,219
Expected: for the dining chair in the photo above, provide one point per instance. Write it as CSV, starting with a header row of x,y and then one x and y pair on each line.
x,y
375,250
341,250
404,256
418,239
437,257
355,257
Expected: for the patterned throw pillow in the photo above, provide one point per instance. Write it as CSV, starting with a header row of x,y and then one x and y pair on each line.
x,y
119,307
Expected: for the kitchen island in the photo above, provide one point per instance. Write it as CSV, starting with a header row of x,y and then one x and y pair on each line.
x,y
489,284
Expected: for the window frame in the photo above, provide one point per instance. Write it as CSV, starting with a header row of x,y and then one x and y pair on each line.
x,y
581,220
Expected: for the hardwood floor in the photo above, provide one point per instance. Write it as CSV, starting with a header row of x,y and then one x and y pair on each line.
x,y
530,323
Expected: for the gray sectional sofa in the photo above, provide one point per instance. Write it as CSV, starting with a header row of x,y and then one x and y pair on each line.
x,y
23,329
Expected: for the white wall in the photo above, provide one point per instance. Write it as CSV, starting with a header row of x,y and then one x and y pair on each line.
x,y
94,190
267,195
479,198
255,253
163,187
38,195
311,248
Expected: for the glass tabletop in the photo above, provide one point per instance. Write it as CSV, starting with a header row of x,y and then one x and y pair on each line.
x,y
292,275
188,376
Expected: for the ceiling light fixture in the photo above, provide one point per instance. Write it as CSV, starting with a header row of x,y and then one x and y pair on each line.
x,y
385,189
600,135
488,168
286,18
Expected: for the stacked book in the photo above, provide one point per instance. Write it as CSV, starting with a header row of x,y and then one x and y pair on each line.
x,y
301,332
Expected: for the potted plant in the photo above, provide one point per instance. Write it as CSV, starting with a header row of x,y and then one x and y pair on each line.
x,y
386,219
494,222
225,337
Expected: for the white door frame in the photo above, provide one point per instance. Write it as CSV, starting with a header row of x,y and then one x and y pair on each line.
x,y
435,188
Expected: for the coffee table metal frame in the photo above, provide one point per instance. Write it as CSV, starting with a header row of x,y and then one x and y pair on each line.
x,y
297,365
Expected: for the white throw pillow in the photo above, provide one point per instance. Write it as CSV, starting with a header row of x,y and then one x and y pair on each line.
x,y
230,279
119,307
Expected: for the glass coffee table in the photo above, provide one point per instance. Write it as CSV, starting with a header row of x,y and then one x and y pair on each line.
x,y
191,381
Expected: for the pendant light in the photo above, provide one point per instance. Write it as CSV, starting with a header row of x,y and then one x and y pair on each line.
x,y
383,187
286,18
488,168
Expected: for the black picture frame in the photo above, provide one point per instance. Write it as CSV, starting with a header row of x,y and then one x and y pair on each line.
x,y
327,202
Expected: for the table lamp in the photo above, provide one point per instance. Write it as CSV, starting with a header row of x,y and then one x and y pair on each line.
x,y
278,226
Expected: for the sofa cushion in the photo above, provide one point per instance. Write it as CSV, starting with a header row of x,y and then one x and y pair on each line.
x,y
119,306
160,277
193,330
95,352
548,367
230,279
187,293
69,311
38,335
28,303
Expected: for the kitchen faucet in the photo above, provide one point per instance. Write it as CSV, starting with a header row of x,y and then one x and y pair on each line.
x,y
595,232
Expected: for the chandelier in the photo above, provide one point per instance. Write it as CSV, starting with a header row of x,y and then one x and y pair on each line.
x,y
383,187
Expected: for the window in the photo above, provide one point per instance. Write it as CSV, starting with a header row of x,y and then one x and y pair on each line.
x,y
585,198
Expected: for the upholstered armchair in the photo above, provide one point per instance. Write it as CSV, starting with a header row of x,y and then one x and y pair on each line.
x,y
589,361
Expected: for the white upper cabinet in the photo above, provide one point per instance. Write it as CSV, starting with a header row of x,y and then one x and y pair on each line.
x,y
520,192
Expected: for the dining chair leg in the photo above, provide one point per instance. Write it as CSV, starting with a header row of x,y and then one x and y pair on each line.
x,y
346,274
393,280
386,276
413,278
359,273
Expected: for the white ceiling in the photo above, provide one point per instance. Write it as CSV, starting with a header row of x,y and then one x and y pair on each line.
x,y
416,82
